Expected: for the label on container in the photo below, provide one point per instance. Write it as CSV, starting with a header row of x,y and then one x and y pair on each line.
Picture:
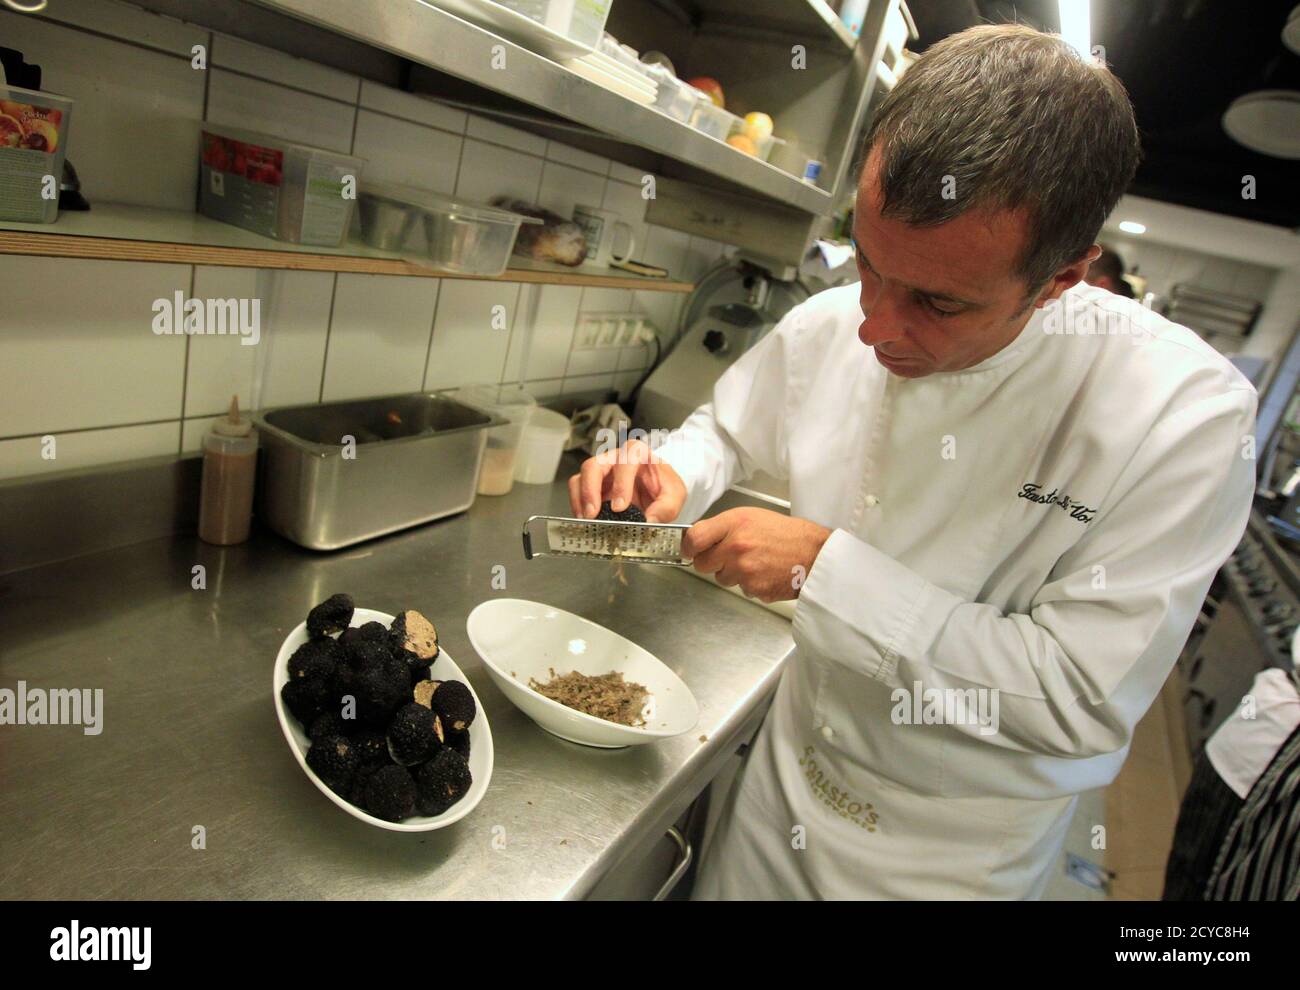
x,y
30,135
326,212
241,183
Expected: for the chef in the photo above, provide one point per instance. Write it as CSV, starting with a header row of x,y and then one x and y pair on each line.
x,y
1009,494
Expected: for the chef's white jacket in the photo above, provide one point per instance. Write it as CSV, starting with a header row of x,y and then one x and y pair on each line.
x,y
1045,523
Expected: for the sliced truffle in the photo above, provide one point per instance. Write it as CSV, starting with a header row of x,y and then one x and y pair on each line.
x,y
442,781
414,638
333,615
630,514
334,761
455,704
306,698
459,741
423,692
414,735
316,658
380,690
391,793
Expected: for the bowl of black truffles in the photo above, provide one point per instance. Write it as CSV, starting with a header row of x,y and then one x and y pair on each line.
x,y
380,718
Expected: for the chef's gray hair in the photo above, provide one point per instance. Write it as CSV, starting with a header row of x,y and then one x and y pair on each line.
x,y
1005,117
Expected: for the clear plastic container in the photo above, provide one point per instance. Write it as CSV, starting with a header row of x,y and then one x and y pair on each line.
x,y
292,192
674,97
711,119
581,20
497,471
541,447
33,139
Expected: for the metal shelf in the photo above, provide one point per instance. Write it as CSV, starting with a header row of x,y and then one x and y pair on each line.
x,y
441,41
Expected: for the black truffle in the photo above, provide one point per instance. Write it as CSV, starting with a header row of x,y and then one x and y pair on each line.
x,y
380,689
305,698
357,789
459,741
362,653
333,615
373,630
329,724
334,761
414,735
442,781
316,658
391,793
630,514
372,747
454,703
414,638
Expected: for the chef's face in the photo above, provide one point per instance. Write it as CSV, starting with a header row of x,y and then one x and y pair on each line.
x,y
947,297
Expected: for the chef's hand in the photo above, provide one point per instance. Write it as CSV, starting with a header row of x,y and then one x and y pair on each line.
x,y
630,475
767,553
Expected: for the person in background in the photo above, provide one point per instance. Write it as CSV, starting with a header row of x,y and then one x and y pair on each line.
x,y
1107,272
1238,827
1009,493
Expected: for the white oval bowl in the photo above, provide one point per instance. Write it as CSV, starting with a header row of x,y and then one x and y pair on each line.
x,y
445,669
519,639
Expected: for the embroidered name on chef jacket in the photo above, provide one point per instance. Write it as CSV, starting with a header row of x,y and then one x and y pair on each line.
x,y
1076,509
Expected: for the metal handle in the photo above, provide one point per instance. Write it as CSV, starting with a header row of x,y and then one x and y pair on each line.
x,y
680,869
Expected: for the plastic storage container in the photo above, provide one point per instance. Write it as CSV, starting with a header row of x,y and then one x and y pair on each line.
x,y
541,447
674,97
581,20
448,234
505,402
33,139
711,119
292,192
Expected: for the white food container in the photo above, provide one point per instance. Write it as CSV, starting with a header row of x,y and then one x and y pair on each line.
x,y
581,20
541,447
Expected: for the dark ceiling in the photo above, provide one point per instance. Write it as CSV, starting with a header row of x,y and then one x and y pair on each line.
x,y
1183,62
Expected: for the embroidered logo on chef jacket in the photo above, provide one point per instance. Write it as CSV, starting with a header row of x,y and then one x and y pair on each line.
x,y
838,799
1077,510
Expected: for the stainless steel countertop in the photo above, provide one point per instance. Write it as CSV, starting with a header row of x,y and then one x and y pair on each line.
x,y
190,735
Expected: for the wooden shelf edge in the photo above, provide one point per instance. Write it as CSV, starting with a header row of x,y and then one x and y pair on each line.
x,y
119,249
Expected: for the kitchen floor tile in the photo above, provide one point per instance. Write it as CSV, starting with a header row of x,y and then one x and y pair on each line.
x,y
294,308
251,104
406,153
79,346
379,335
133,137
86,448
467,347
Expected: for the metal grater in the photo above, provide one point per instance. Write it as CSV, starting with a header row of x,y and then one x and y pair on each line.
x,y
598,539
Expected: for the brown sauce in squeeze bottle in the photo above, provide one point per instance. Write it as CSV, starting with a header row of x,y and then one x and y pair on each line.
x,y
229,470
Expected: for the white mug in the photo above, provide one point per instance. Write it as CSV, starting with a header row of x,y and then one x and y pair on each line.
x,y
599,227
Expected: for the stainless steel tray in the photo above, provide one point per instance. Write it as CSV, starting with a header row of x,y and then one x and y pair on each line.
x,y
601,539
411,459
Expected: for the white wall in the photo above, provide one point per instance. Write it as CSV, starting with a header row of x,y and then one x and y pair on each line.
x,y
78,358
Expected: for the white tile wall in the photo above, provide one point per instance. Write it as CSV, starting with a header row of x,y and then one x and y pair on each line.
x,y
130,143
294,321
468,345
379,335
79,347
85,448
82,362
399,151
241,101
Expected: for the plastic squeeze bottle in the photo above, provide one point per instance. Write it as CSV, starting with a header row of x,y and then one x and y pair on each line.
x,y
229,469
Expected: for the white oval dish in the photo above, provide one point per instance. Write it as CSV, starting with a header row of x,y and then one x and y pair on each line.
x,y
445,669
519,639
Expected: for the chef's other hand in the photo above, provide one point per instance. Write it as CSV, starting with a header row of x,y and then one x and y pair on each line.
x,y
767,553
630,475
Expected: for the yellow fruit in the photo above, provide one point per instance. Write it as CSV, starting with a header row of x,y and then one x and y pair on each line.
x,y
758,126
742,143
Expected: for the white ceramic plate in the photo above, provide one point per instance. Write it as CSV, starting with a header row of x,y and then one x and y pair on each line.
x,y
520,639
445,669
